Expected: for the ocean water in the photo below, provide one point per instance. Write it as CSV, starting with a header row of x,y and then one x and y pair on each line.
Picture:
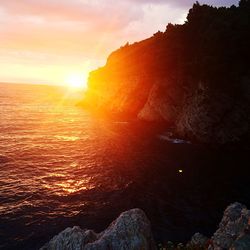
x,y
62,166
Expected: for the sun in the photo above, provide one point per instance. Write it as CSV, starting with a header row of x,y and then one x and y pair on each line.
x,y
76,81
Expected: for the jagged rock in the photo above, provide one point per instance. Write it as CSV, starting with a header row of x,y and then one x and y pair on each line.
x,y
233,229
131,230
198,241
71,238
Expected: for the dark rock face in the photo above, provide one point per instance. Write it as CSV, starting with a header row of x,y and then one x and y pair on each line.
x,y
163,104
214,117
131,230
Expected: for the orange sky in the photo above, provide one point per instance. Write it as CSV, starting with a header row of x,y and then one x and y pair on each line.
x,y
49,41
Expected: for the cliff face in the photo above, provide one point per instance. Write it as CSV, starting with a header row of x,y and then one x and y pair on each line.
x,y
212,116
117,95
194,76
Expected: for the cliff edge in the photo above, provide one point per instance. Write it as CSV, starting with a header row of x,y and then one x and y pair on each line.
x,y
194,77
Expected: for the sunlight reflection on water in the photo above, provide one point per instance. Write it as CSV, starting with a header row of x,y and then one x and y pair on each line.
x,y
60,166
67,138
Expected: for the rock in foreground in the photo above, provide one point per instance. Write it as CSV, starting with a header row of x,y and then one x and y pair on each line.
x,y
233,231
131,230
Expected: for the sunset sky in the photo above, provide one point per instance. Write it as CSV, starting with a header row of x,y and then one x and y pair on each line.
x,y
51,41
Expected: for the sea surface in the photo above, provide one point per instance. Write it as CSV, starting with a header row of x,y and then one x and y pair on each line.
x,y
62,166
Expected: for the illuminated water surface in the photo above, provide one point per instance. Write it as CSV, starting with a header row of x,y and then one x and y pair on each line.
x,y
61,166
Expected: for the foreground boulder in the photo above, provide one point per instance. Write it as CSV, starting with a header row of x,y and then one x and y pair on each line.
x,y
233,231
131,230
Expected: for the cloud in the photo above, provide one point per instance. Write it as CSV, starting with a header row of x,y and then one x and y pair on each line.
x,y
66,32
69,28
72,11
187,3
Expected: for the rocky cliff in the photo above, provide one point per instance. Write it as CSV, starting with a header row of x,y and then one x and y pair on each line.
x,y
194,77
131,231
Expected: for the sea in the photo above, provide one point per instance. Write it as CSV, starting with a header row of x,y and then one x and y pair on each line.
x,y
61,165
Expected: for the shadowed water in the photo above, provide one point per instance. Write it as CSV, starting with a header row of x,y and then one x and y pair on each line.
x,y
60,166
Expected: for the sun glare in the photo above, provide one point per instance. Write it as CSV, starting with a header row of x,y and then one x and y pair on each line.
x,y
76,82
